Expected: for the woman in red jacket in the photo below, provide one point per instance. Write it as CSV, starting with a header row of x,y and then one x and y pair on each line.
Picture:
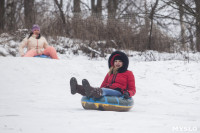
x,y
118,82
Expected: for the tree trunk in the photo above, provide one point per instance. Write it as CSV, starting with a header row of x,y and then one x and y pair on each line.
x,y
10,15
147,26
62,15
2,14
147,23
93,6
61,12
197,2
29,15
112,8
96,8
151,16
61,3
191,37
99,7
77,7
181,14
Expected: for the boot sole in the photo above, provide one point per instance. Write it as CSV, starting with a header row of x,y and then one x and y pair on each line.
x,y
73,85
87,87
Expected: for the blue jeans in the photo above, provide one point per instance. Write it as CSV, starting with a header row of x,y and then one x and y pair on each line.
x,y
110,92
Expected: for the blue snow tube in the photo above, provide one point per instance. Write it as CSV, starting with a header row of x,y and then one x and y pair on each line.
x,y
43,56
107,103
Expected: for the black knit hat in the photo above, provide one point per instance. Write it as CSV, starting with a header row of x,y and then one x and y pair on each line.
x,y
118,55
118,58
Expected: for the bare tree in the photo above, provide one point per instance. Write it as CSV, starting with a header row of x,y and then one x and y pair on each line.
x,y
77,7
61,11
61,3
62,15
147,24
191,38
96,8
197,15
29,15
151,16
182,24
2,14
10,15
191,9
112,6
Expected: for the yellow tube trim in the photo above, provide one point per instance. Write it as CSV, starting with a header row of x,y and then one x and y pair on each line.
x,y
97,105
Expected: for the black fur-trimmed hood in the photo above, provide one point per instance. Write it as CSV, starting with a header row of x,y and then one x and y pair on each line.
x,y
124,59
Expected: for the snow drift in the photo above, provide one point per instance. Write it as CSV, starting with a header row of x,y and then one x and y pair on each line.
x,y
35,97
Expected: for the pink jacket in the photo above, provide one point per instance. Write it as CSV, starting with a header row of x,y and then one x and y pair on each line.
x,y
33,44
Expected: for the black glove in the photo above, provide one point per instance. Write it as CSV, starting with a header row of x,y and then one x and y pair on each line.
x,y
126,95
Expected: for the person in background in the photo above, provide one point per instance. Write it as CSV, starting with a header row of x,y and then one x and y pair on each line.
x,y
36,45
118,82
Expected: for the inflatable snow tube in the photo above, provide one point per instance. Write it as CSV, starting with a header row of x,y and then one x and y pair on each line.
x,y
43,56
107,103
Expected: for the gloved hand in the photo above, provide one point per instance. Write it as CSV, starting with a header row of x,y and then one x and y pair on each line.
x,y
126,95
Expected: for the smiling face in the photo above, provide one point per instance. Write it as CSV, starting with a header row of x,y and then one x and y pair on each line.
x,y
36,32
118,63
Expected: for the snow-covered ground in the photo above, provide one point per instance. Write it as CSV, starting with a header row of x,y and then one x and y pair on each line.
x,y
35,97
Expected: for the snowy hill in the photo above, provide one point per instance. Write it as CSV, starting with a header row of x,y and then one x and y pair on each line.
x,y
35,97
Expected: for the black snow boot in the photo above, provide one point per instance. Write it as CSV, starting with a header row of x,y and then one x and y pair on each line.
x,y
90,91
75,88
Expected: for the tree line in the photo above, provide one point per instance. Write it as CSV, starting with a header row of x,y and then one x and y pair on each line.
x,y
162,25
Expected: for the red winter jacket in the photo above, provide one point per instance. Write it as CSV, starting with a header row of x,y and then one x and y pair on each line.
x,y
125,80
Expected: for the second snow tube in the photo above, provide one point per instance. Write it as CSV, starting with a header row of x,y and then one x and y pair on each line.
x,y
43,56
107,103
